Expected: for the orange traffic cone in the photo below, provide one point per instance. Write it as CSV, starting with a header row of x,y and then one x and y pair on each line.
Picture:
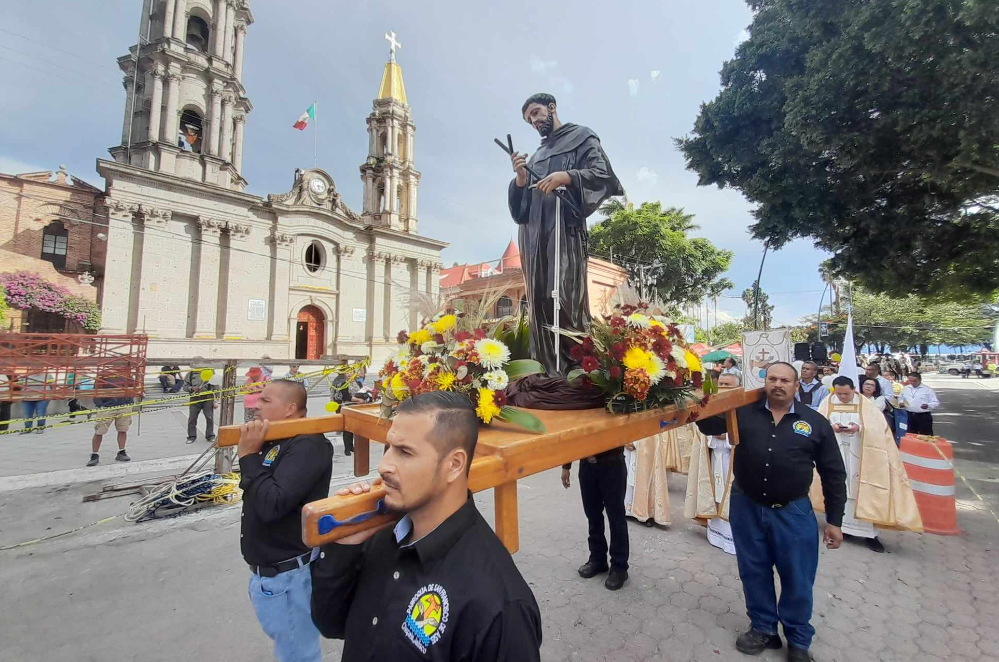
x,y
929,463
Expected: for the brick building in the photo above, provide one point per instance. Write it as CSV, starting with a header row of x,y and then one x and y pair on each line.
x,y
463,282
51,225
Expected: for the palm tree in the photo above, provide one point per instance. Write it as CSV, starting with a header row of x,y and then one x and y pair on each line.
x,y
612,205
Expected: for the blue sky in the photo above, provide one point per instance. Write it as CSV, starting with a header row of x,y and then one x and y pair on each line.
x,y
467,67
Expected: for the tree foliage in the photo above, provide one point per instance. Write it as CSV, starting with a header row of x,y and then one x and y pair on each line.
x,y
902,323
870,126
653,245
727,333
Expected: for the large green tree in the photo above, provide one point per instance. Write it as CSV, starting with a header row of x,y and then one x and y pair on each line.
x,y
902,323
870,126
652,243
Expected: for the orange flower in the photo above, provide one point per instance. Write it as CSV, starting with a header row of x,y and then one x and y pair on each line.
x,y
637,383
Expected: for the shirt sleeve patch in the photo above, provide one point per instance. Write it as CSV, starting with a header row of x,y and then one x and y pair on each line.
x,y
802,428
271,455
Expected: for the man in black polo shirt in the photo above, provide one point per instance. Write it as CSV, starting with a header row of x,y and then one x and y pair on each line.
x,y
439,585
780,441
278,478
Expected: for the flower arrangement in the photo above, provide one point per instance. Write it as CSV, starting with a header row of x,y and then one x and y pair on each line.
x,y
637,358
26,290
443,355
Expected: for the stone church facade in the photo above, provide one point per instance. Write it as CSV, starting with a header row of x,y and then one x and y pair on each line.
x,y
208,270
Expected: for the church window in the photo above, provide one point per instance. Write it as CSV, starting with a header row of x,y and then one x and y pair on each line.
x,y
398,199
504,307
55,241
382,144
197,33
381,199
190,131
315,257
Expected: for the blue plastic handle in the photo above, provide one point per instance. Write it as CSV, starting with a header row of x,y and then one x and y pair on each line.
x,y
327,522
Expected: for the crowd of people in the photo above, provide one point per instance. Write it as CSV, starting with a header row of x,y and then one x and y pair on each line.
x,y
799,452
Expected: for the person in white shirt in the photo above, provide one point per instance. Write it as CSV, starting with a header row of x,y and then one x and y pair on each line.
x,y
719,530
977,367
918,400
810,390
873,371
730,367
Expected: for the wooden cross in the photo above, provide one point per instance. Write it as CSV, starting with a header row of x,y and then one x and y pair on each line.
x,y
394,44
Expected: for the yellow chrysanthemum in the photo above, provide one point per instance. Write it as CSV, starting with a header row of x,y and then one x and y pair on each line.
x,y
445,323
492,353
420,337
693,363
445,381
655,322
487,409
399,390
637,358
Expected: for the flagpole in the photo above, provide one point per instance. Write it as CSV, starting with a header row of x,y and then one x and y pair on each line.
x,y
315,138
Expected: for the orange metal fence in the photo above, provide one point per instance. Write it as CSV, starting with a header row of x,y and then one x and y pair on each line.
x,y
61,366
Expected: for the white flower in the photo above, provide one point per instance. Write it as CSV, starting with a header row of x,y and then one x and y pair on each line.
x,y
657,371
679,355
492,353
497,380
639,321
402,354
428,347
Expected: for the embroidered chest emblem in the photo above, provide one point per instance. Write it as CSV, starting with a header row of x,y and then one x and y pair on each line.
x,y
426,617
802,428
271,455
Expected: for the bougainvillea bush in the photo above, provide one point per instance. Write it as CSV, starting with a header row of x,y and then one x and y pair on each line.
x,y
26,290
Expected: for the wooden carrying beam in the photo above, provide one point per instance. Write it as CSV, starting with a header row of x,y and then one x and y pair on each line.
x,y
229,435
505,454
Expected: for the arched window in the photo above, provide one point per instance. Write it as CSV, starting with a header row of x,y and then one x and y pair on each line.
x,y
315,257
197,33
55,241
381,199
191,131
398,199
382,144
504,307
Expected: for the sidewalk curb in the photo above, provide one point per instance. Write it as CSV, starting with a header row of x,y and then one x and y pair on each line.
x,y
91,474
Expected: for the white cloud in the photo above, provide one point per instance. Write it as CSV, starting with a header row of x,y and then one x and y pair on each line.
x,y
654,74
742,36
540,66
633,87
563,84
647,175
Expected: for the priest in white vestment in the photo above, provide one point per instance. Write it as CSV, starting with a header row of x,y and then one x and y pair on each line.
x,y
878,490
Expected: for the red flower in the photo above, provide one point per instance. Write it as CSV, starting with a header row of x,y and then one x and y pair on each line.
x,y
704,400
588,344
617,350
499,397
590,364
413,385
439,338
617,322
576,352
698,379
403,337
615,372
462,336
480,334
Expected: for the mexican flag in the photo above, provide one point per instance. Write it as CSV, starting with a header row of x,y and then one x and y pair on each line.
x,y
303,121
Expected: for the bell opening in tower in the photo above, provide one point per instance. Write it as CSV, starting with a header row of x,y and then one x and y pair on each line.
x,y
190,131
197,33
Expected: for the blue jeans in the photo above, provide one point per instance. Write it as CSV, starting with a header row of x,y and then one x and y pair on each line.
x,y
787,538
284,609
33,408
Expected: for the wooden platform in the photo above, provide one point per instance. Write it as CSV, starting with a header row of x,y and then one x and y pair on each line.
x,y
504,454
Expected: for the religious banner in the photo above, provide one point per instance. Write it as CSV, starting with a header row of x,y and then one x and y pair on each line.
x,y
760,349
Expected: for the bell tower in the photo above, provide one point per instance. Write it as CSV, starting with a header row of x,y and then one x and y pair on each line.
x,y
389,174
185,105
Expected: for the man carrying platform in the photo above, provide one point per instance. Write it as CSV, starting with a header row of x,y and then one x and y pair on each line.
x,y
439,585
278,478
780,441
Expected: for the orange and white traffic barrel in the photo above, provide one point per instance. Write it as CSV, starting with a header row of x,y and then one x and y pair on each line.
x,y
929,464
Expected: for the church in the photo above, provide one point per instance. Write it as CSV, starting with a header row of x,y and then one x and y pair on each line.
x,y
205,269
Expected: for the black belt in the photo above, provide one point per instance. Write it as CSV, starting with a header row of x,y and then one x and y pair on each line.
x,y
282,566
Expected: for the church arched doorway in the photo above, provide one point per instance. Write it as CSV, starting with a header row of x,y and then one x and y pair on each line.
x,y
309,334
